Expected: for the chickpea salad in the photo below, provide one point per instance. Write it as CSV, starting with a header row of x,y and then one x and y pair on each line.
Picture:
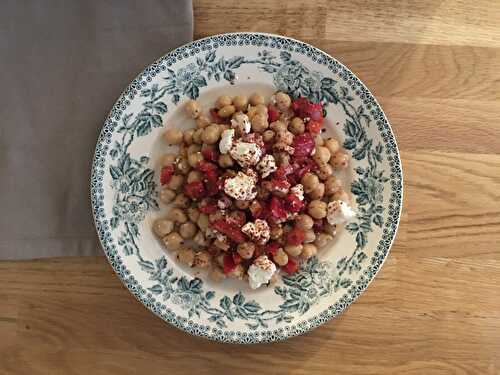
x,y
252,191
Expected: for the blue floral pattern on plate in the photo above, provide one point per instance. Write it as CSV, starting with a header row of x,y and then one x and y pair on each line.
x,y
184,300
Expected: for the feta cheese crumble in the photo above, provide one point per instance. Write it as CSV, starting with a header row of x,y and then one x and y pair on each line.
x,y
258,231
261,271
241,187
339,212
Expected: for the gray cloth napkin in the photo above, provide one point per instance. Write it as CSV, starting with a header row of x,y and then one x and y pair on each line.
x,y
62,65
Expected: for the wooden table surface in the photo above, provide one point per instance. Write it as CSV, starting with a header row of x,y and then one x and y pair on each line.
x,y
434,308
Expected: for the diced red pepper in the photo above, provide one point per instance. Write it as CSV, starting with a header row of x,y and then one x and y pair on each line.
x,y
304,108
272,248
291,267
229,265
236,258
229,229
293,203
195,190
302,165
277,209
166,174
272,113
283,171
296,236
314,127
303,145
210,154
215,116
208,208
205,166
280,185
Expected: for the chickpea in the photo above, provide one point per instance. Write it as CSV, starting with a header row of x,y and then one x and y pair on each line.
x,y
193,149
192,109
310,236
199,239
309,251
341,195
322,239
216,274
309,181
202,259
278,126
293,250
297,126
219,259
168,159
177,215
222,101
182,151
242,205
176,182
274,279
240,102
268,136
322,155
203,221
194,159
194,175
202,122
181,201
317,209
325,171
226,111
217,215
173,136
259,123
285,137
282,158
340,160
281,257
167,195
318,140
317,192
162,227
222,245
187,230
332,145
332,185
261,109
193,214
211,134
246,250
304,221
283,101
330,229
188,136
173,241
251,111
262,193
186,256
226,161
276,232
197,136
256,99
183,166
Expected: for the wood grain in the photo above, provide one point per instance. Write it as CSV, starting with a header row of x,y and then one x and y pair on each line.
x,y
435,306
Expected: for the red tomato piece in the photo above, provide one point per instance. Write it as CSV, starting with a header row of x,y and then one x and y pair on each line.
x,y
166,174
296,236
291,267
195,190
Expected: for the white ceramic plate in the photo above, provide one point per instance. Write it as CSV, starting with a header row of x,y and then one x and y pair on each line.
x,y
125,181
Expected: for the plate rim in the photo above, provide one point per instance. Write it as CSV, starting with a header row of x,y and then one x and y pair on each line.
x,y
225,335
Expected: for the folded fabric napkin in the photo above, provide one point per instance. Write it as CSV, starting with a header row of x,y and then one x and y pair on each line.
x,y
62,66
